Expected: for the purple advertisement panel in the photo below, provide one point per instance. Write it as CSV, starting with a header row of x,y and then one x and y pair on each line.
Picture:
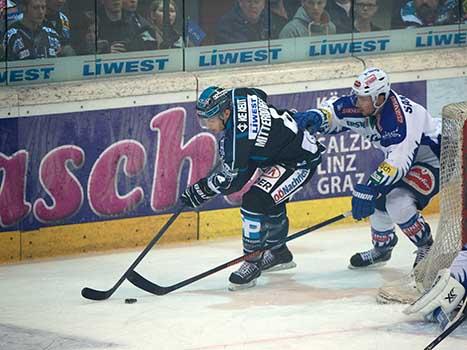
x,y
111,164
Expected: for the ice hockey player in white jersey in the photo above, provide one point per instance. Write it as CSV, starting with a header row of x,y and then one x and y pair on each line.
x,y
407,179
445,301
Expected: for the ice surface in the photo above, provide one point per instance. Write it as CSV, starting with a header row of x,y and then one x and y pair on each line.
x,y
318,305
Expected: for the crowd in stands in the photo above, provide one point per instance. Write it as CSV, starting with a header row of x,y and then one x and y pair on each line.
x,y
32,29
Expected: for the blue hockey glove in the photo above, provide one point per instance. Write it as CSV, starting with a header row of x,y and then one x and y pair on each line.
x,y
363,201
197,194
310,120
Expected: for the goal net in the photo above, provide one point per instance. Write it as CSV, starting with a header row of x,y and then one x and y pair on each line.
x,y
452,226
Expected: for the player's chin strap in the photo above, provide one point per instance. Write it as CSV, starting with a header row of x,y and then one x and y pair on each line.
x,y
439,303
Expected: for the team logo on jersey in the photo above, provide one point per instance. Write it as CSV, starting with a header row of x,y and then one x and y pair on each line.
x,y
269,177
290,186
18,45
421,179
397,110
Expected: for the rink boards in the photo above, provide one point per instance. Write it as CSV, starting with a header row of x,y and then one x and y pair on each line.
x,y
100,179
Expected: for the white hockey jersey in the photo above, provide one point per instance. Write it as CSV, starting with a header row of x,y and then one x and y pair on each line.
x,y
405,132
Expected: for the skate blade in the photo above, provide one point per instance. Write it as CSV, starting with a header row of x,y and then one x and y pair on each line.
x,y
369,267
280,267
233,287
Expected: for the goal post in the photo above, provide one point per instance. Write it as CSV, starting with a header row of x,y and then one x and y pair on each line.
x,y
452,227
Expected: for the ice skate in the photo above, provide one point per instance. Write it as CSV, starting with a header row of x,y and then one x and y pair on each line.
x,y
277,260
245,276
372,258
423,251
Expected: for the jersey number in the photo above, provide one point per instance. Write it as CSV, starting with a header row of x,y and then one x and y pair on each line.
x,y
286,119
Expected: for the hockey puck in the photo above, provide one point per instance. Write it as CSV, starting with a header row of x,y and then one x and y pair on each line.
x,y
130,300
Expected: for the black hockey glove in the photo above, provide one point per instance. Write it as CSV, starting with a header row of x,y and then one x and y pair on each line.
x,y
197,194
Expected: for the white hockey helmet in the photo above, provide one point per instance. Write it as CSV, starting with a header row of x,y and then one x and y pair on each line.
x,y
372,82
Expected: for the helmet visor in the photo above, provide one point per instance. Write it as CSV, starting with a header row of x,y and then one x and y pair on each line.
x,y
207,123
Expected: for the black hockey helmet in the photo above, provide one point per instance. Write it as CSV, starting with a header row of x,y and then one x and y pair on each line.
x,y
212,101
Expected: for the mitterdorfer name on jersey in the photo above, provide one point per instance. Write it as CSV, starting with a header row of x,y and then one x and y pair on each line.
x,y
265,117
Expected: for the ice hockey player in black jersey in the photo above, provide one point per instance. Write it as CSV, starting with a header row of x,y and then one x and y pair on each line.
x,y
255,136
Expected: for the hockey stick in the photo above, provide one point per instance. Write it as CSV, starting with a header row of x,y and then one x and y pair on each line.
x,y
449,329
141,282
95,294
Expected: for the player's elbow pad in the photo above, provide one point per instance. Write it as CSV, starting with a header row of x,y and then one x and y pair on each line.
x,y
446,293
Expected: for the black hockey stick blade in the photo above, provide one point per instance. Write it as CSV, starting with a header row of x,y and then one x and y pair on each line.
x,y
448,330
143,283
95,294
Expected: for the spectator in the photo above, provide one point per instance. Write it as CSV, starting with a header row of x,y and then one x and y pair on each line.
x,y
2,28
83,36
396,20
28,38
248,20
425,13
341,13
139,27
57,20
365,10
279,11
310,19
291,6
122,34
171,38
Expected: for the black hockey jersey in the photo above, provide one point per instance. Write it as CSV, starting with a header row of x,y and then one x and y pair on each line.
x,y
258,135
22,43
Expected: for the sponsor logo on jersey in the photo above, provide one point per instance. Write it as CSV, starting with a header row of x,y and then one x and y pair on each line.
x,y
242,114
394,134
290,186
397,110
350,110
376,178
387,169
356,124
421,179
23,54
253,117
269,178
